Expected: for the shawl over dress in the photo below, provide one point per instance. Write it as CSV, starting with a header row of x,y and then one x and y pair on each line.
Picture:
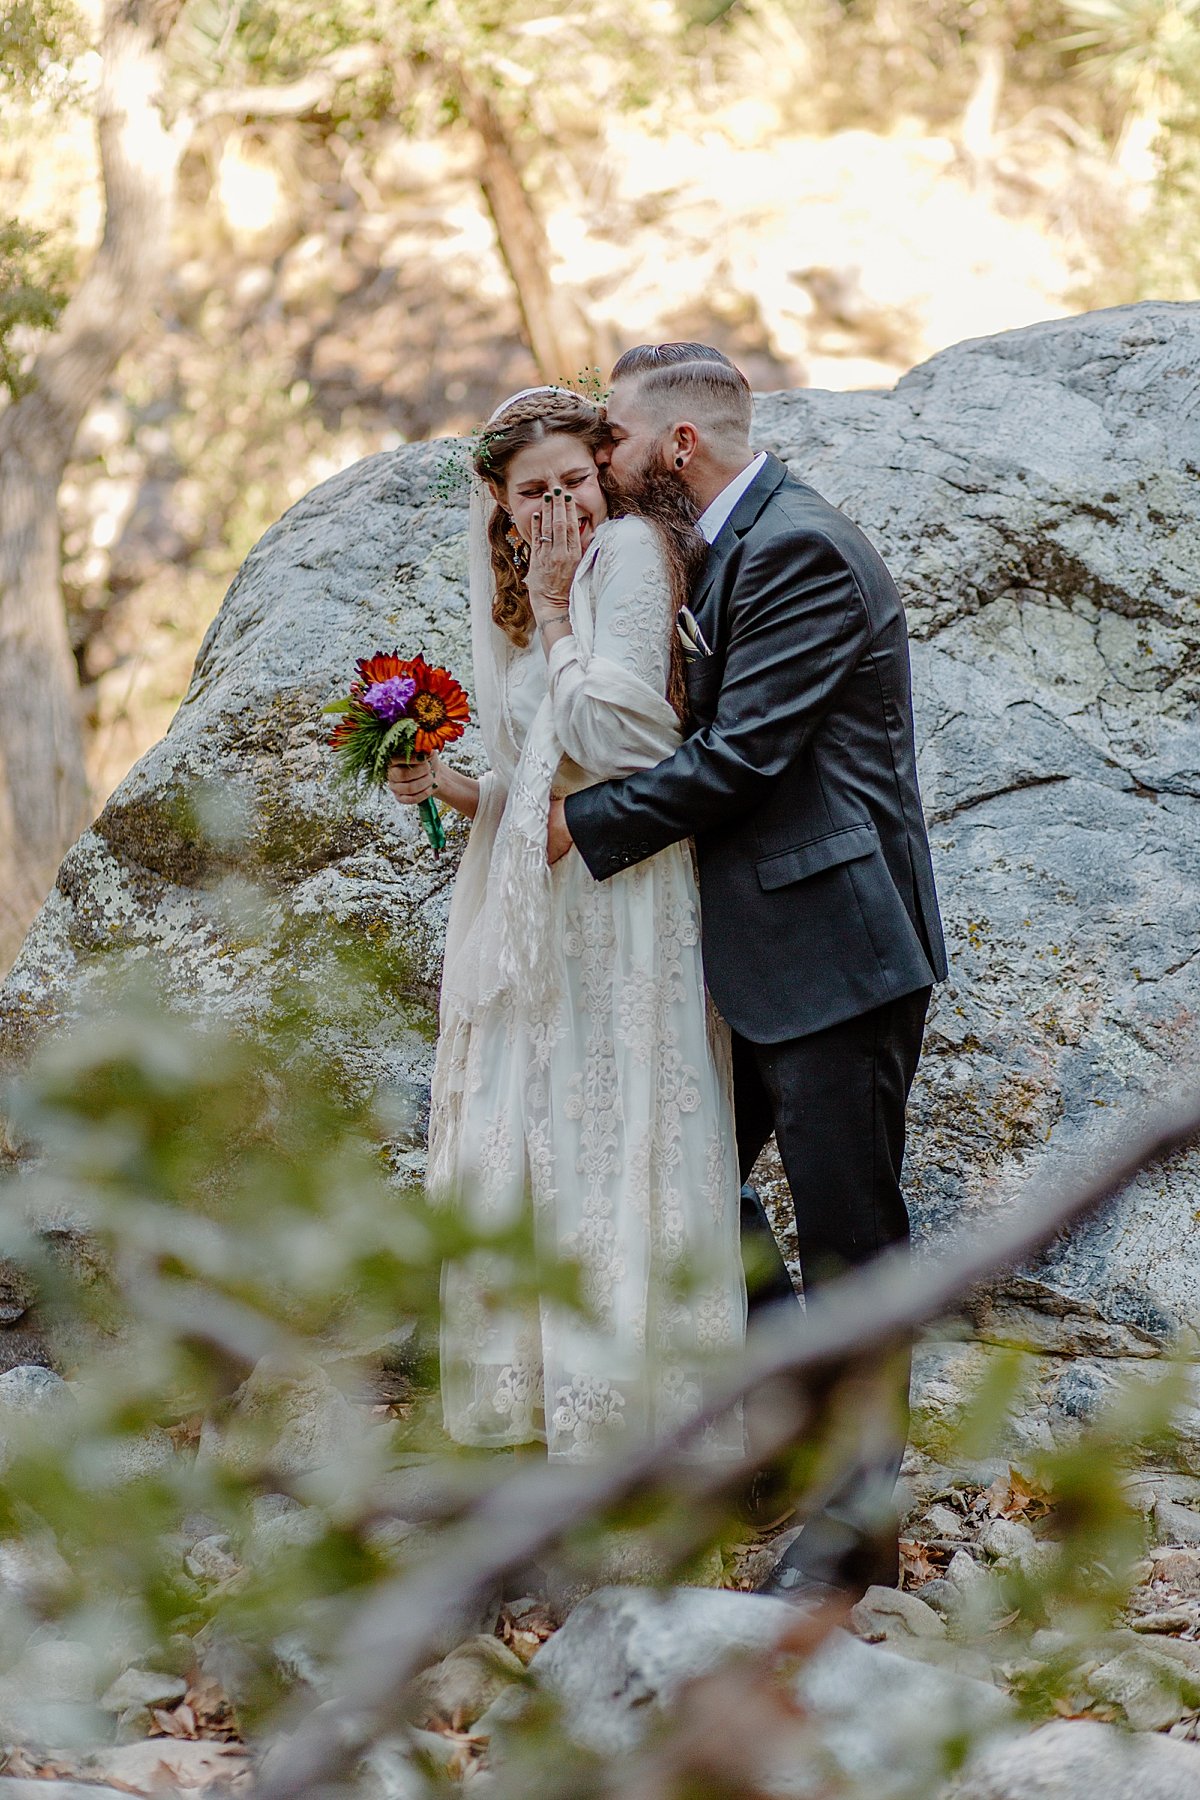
x,y
580,1066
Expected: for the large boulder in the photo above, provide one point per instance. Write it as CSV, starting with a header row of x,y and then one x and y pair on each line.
x,y
1035,496
860,1720
1077,1759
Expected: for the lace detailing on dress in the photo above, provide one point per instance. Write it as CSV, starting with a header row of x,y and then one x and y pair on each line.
x,y
600,1098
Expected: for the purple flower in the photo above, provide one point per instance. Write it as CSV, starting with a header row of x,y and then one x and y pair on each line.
x,y
389,699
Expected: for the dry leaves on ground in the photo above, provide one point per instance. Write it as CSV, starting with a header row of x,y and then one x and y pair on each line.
x,y
526,1629
204,1712
1017,1496
155,1766
920,1562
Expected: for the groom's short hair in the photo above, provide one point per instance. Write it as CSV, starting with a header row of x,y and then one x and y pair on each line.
x,y
696,376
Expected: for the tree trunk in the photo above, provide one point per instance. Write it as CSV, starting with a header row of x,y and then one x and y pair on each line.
x,y
563,344
43,789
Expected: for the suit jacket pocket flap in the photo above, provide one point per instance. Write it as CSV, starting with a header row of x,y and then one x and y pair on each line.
x,y
820,853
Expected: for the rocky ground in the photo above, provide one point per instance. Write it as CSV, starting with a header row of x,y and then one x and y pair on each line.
x,y
874,1694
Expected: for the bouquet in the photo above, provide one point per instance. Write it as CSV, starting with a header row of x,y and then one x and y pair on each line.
x,y
396,709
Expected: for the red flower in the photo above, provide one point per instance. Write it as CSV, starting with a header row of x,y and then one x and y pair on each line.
x,y
439,706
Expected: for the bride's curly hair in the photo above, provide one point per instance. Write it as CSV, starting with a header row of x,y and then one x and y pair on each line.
x,y
655,497
526,421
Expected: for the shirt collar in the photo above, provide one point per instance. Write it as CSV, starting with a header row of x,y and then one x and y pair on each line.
x,y
715,515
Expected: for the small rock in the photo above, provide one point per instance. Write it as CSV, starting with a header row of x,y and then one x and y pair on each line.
x,y
279,1523
1084,1390
15,1788
139,1688
196,1525
16,1293
943,1522
1078,1759
1012,1545
1153,1690
210,1561
887,1613
1178,1569
48,1697
940,1596
30,1389
294,1417
189,1764
1148,1623
940,1653
1179,1649
464,1684
32,1571
967,1596
134,1458
388,1771
265,1507
1175,1524
56,1669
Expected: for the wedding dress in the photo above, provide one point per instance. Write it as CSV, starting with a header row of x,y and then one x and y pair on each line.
x,y
580,1067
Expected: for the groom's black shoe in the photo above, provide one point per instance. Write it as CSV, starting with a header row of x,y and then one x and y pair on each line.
x,y
790,1580
767,1501
831,1557
785,1582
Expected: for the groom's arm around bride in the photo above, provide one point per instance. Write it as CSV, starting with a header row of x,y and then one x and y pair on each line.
x,y
798,781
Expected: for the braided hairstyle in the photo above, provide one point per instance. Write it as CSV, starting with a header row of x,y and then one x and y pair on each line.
x,y
528,420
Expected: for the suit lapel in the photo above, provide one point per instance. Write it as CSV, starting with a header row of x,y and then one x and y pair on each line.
x,y
772,474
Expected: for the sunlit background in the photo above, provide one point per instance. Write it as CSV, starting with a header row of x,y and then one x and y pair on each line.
x,y
832,190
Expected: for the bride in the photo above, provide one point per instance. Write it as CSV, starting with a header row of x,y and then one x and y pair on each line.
x,y
579,1065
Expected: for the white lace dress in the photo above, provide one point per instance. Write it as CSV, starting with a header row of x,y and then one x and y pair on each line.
x,y
601,1094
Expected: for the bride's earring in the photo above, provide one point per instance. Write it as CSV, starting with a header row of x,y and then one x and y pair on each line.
x,y
517,545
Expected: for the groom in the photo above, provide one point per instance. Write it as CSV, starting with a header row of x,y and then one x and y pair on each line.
x,y
821,930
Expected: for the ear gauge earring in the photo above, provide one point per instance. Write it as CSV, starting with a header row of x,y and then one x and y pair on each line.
x,y
679,462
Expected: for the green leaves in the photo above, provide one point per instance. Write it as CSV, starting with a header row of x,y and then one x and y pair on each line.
x,y
33,281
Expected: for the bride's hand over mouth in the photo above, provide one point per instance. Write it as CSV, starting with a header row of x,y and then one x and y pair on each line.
x,y
553,558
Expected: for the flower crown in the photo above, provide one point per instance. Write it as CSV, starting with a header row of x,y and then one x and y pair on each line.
x,y
458,469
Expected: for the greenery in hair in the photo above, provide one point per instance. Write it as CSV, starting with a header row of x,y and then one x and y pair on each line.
x,y
465,454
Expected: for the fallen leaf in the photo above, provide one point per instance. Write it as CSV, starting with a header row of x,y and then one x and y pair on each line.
x,y
916,1563
1016,1496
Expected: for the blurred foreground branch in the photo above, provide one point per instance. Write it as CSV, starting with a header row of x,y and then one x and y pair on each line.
x,y
401,1623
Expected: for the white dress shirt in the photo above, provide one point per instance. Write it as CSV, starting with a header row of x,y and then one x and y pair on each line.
x,y
715,515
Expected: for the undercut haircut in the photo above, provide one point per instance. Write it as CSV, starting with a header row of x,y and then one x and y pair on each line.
x,y
696,377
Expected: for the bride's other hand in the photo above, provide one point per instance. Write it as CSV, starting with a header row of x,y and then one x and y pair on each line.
x,y
432,779
412,782
553,559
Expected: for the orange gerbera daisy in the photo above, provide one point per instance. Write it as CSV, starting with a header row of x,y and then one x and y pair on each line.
x,y
439,706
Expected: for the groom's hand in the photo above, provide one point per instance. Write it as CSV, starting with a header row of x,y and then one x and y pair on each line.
x,y
558,837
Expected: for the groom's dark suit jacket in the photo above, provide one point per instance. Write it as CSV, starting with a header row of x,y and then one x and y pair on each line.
x,y
799,781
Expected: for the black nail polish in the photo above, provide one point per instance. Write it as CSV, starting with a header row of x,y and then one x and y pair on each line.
x,y
558,490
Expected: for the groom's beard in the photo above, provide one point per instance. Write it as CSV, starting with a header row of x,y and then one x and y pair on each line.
x,y
652,492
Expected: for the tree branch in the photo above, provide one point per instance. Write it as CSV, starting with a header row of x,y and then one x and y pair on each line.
x,y
310,92
865,1313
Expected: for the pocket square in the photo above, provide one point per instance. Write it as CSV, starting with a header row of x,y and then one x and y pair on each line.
x,y
690,634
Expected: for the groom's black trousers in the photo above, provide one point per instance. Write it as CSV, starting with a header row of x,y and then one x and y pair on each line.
x,y
836,1103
